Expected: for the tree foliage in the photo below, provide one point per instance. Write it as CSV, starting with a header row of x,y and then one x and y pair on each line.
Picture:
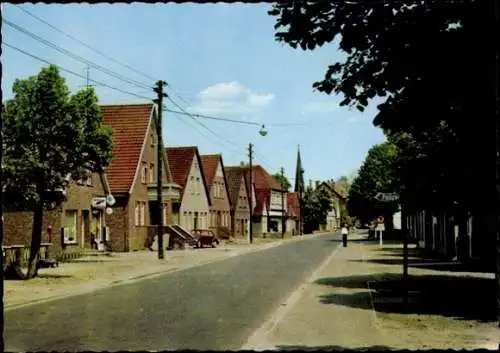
x,y
50,138
283,180
316,204
377,174
412,54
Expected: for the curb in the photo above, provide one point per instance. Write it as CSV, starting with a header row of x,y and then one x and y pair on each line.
x,y
137,278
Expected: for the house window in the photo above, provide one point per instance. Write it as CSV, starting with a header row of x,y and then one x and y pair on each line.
x,y
69,225
153,142
165,214
142,213
144,172
137,213
151,173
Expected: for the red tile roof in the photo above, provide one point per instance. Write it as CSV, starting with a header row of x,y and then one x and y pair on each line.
x,y
209,163
263,180
130,123
234,177
262,196
293,209
180,160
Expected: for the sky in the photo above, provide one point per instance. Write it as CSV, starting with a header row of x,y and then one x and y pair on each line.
x,y
219,60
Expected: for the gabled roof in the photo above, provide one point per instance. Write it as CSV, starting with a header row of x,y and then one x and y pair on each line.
x,y
180,160
331,188
263,180
235,175
130,124
262,196
292,199
209,164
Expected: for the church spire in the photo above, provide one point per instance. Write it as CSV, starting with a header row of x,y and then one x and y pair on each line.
x,y
299,174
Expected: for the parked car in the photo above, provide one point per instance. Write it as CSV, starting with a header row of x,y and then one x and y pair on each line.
x,y
205,237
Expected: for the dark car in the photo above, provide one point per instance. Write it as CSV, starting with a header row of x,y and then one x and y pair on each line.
x,y
205,237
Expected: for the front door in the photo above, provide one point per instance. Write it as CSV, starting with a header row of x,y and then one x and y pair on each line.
x,y
219,221
96,229
85,227
195,225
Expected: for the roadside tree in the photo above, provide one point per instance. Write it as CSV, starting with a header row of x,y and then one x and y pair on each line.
x,y
50,138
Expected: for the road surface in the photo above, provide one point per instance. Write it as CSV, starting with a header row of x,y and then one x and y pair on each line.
x,y
211,307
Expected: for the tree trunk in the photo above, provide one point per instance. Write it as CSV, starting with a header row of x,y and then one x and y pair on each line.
x,y
36,236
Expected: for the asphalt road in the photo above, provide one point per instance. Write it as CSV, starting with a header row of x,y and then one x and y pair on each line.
x,y
212,307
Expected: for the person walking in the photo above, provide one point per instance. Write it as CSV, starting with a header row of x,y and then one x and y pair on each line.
x,y
344,232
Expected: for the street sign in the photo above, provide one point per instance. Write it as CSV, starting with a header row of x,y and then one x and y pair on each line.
x,y
387,196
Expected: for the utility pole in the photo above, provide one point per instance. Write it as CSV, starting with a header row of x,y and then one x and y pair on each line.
x,y
1,222
159,162
250,197
282,205
404,229
496,10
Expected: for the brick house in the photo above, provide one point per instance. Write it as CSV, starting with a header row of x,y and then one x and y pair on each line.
x,y
269,192
132,176
293,213
192,208
220,208
77,223
333,217
240,203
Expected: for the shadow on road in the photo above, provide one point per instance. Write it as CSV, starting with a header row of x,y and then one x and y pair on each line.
x,y
330,348
459,297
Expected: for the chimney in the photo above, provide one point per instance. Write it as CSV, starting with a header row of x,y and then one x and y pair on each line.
x,y
242,164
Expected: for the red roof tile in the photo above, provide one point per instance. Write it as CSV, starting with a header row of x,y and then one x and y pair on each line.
x,y
180,160
234,176
263,180
262,196
209,163
130,124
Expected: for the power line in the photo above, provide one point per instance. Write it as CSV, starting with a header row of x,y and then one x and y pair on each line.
x,y
213,117
85,44
73,73
74,56
200,123
232,143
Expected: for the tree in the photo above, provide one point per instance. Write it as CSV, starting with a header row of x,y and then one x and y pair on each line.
x,y
377,174
316,204
412,54
50,138
283,180
342,185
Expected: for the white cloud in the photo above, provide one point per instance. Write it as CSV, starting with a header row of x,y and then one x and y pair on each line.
x,y
320,107
230,99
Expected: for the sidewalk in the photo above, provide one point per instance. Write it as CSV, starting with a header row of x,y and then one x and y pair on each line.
x,y
91,273
335,309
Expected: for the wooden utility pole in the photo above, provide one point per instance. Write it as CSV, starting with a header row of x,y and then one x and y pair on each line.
x,y
404,229
496,10
250,182
282,205
1,227
159,162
